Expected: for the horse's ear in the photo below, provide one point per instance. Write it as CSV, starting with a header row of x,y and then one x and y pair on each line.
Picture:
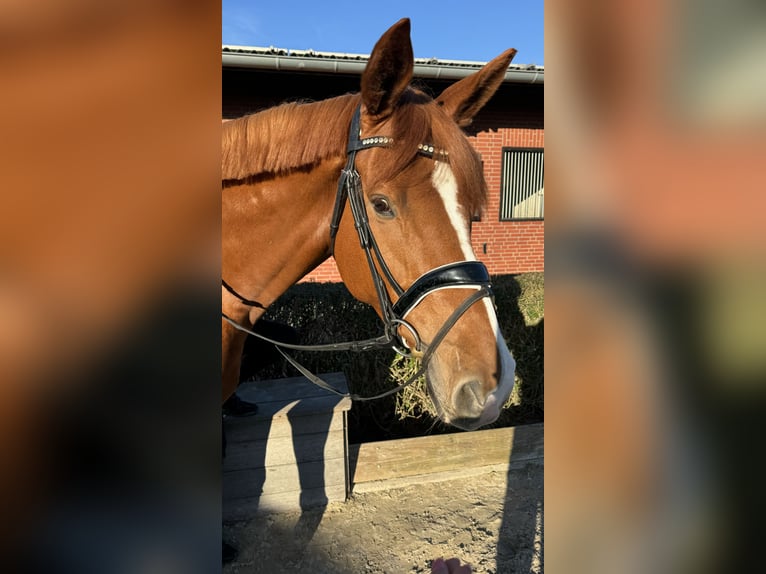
x,y
389,70
464,99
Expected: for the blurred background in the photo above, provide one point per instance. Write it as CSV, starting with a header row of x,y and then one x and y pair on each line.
x,y
656,323
109,265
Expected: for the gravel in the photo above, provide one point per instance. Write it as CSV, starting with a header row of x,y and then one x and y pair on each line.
x,y
493,521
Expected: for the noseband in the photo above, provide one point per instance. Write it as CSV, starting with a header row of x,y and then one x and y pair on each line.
x,y
462,274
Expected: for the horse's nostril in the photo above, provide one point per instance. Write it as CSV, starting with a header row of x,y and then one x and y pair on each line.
x,y
470,399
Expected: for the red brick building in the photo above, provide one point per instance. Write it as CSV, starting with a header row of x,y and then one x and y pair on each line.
x,y
508,133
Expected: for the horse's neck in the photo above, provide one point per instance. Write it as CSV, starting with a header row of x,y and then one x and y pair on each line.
x,y
281,168
277,230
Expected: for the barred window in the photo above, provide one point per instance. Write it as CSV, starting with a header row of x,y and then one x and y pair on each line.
x,y
522,184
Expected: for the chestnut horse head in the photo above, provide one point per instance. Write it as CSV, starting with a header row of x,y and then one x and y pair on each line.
x,y
417,183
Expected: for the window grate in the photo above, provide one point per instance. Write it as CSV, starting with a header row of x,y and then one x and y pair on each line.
x,y
522,192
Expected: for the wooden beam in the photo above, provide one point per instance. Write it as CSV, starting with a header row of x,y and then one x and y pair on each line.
x,y
442,454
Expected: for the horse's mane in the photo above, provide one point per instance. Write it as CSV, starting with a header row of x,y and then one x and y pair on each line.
x,y
285,137
296,135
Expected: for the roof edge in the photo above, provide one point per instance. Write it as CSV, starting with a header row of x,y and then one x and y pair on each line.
x,y
353,64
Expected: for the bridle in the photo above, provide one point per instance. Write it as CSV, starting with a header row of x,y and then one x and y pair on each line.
x,y
462,274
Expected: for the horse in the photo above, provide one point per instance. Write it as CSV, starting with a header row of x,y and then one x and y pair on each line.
x,y
413,181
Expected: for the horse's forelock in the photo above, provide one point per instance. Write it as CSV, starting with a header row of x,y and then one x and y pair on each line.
x,y
464,162
419,119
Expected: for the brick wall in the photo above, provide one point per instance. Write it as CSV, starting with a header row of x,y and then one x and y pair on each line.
x,y
506,246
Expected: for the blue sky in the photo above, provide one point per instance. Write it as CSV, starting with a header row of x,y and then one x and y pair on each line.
x,y
446,29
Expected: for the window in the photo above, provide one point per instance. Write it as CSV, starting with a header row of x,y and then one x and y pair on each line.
x,y
522,184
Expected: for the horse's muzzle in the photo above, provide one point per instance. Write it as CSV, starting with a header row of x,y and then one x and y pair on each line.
x,y
474,398
473,407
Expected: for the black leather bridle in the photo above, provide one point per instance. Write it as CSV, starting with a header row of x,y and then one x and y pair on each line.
x,y
462,274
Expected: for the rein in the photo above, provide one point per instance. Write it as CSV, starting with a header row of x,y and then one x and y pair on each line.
x,y
465,274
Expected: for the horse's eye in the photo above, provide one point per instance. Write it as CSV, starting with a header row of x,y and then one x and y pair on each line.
x,y
382,206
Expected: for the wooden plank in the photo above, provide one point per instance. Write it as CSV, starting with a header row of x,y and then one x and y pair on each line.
x,y
297,405
445,453
288,388
250,428
283,478
292,453
296,395
246,508
419,479
284,450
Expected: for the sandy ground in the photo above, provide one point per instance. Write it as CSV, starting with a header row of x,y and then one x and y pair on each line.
x,y
493,521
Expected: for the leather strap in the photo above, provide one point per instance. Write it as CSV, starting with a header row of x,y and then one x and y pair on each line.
x,y
249,302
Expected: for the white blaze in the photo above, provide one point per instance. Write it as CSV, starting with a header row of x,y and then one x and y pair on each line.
x,y
445,183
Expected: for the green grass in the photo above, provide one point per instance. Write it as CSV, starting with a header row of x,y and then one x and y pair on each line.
x,y
328,313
